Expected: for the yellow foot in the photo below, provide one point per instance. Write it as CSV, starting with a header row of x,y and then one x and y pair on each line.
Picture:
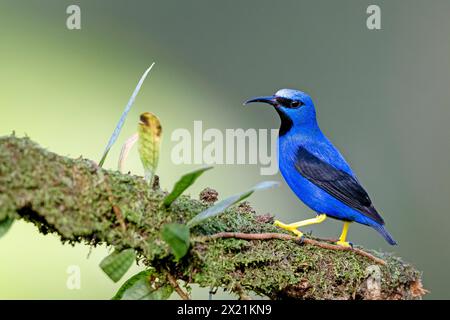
x,y
288,227
344,244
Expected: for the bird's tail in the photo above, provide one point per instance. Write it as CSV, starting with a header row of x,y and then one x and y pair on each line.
x,y
386,235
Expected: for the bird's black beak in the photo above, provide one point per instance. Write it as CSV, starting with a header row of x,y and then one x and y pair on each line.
x,y
268,99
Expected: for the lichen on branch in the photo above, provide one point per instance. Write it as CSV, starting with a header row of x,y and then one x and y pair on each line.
x,y
84,203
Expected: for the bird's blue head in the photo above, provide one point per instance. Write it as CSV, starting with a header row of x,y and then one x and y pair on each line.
x,y
295,108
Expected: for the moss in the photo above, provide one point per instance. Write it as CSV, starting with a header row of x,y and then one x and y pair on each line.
x,y
74,198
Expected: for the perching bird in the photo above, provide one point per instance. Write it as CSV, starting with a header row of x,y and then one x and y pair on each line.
x,y
316,171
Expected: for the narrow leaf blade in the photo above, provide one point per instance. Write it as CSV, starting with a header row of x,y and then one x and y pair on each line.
x,y
149,130
117,263
228,202
119,125
181,185
5,225
138,287
177,237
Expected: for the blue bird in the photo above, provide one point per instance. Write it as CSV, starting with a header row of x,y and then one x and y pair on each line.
x,y
316,171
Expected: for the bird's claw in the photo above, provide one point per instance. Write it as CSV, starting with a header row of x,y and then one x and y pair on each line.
x,y
345,244
300,239
294,230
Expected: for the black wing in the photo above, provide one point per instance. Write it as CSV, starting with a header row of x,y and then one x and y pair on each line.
x,y
336,182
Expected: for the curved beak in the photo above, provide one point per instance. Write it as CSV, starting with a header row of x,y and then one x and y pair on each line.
x,y
268,99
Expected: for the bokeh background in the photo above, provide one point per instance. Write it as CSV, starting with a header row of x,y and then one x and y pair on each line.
x,y
382,97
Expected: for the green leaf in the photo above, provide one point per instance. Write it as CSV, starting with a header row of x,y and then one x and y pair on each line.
x,y
5,224
149,130
177,237
228,202
185,182
117,263
119,125
139,287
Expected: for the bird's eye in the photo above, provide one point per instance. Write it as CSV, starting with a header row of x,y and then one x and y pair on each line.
x,y
295,104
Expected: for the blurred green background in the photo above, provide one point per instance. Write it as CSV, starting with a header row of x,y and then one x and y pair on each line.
x,y
382,97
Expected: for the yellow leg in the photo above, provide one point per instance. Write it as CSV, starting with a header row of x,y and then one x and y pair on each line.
x,y
343,236
292,227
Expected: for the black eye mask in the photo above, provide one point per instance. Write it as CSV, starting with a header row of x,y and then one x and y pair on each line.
x,y
288,103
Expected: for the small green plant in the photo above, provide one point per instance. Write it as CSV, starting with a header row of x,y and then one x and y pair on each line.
x,y
176,235
123,117
149,132
182,184
145,285
117,263
228,202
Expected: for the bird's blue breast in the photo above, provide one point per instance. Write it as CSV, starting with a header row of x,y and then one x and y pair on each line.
x,y
313,196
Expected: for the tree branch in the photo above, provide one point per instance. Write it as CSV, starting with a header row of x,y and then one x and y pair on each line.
x,y
173,282
282,236
81,202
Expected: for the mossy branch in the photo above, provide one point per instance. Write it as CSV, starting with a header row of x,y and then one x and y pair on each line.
x,y
84,203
